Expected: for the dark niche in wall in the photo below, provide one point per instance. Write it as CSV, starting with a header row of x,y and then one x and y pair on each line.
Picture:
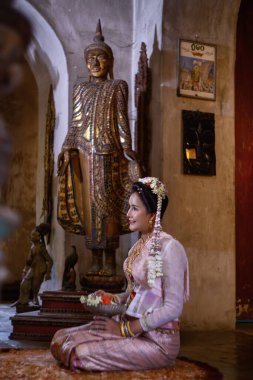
x,y
198,143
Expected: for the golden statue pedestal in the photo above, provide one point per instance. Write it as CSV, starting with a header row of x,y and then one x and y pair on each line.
x,y
113,284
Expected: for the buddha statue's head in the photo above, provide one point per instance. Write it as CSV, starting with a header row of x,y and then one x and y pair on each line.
x,y
99,56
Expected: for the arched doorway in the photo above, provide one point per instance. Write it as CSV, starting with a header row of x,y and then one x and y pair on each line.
x,y
244,162
47,66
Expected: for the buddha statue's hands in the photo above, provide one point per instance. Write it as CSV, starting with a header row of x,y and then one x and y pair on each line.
x,y
63,161
131,155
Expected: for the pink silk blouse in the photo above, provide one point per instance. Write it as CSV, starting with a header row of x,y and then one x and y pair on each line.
x,y
158,306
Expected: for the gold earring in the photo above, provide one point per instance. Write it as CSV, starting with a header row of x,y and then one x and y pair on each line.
x,y
151,224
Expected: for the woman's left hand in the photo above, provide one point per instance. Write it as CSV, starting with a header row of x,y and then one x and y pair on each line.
x,y
105,324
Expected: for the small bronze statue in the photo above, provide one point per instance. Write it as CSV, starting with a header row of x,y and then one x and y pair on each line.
x,y
69,275
37,269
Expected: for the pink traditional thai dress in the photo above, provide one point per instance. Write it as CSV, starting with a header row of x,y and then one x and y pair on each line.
x,y
158,309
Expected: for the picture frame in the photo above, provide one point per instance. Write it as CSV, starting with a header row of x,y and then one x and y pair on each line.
x,y
199,143
197,70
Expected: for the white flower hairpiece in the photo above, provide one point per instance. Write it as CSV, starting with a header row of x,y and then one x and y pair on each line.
x,y
156,186
155,259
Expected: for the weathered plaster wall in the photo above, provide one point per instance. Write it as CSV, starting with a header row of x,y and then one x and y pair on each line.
x,y
202,211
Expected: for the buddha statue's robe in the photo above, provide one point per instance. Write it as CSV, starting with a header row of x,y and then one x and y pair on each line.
x,y
96,184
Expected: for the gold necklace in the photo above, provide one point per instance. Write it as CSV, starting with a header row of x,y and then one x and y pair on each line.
x,y
135,252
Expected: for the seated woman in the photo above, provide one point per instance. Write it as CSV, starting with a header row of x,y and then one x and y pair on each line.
x,y
147,335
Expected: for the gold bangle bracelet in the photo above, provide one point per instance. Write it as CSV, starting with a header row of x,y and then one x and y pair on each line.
x,y
129,329
122,329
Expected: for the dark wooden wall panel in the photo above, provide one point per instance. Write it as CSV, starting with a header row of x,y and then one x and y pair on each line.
x,y
244,161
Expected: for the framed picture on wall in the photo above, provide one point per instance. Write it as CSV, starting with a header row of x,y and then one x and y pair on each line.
x,y
196,70
199,143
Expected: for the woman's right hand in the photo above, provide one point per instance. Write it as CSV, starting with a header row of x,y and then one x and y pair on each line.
x,y
63,161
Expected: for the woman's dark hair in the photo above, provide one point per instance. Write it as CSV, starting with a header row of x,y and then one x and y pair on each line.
x,y
148,198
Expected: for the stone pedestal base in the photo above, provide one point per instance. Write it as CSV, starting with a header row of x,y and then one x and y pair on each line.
x,y
59,310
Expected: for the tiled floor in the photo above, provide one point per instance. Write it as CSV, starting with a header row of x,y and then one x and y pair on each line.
x,y
229,351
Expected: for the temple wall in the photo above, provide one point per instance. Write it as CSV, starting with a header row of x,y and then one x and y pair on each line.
x,y
202,209
201,212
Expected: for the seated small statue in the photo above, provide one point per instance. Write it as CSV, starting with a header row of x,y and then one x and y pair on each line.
x,y
69,275
37,269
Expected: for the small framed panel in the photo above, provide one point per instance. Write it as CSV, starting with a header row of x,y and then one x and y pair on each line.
x,y
199,143
197,70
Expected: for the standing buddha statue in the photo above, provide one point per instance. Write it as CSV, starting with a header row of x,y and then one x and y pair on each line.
x,y
97,165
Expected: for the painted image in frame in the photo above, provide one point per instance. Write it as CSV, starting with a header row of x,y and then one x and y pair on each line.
x,y
199,143
197,70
